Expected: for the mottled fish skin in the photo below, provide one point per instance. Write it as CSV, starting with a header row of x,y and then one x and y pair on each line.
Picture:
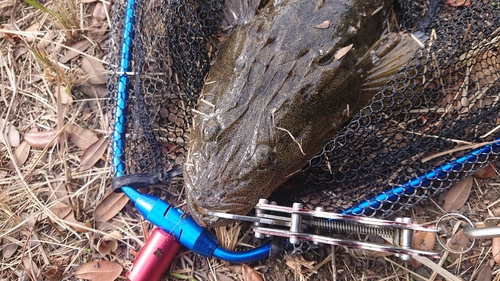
x,y
279,94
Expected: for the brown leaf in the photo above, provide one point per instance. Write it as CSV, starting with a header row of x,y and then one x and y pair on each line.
x,y
101,11
61,210
457,3
457,195
52,273
81,137
12,135
79,46
41,139
342,52
99,271
249,274
93,153
99,30
9,248
323,25
222,277
33,28
66,97
107,245
495,249
422,240
94,69
485,273
10,36
66,213
485,173
458,242
298,264
110,206
19,52
93,90
21,154
31,267
75,224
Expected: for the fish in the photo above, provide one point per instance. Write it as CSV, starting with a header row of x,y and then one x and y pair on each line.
x,y
285,80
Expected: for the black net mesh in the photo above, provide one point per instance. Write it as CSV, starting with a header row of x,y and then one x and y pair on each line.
x,y
446,97
169,60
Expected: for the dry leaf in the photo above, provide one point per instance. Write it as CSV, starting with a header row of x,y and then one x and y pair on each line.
x,y
47,39
222,277
33,28
9,248
485,173
21,154
52,273
249,274
81,137
19,52
422,240
342,52
10,36
12,135
110,206
457,3
94,69
61,210
31,267
107,245
485,273
458,242
93,90
99,271
41,139
323,25
116,234
66,97
101,11
93,153
457,195
495,249
298,264
79,46
99,30
75,224
66,213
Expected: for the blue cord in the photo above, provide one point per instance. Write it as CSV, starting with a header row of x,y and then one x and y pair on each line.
x,y
118,144
393,193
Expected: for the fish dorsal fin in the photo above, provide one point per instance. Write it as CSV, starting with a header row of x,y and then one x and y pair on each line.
x,y
385,58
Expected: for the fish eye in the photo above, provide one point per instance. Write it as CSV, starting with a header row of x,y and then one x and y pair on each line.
x,y
211,130
263,156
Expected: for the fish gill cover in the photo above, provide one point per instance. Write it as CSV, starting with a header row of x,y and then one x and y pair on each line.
x,y
445,97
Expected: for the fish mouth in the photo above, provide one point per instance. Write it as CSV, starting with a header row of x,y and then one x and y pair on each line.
x,y
204,217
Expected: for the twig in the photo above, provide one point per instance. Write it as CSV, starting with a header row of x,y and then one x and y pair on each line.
x,y
466,147
285,130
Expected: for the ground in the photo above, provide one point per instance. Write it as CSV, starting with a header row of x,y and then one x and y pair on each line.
x,y
54,173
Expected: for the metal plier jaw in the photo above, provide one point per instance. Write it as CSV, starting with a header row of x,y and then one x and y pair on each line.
x,y
318,226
